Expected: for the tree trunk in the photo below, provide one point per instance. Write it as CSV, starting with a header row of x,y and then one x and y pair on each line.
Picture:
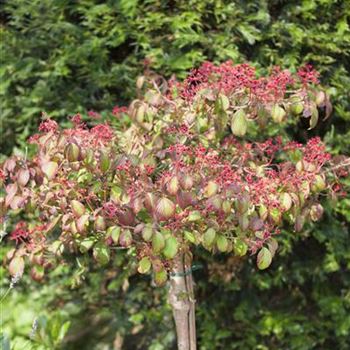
x,y
181,298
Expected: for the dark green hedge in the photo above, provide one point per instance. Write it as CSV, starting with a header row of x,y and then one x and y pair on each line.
x,y
64,57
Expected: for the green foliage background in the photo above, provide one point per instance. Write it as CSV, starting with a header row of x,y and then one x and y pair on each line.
x,y
64,57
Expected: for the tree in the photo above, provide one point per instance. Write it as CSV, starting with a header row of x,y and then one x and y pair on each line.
x,y
177,175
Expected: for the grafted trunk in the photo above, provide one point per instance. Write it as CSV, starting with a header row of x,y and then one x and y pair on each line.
x,y
181,298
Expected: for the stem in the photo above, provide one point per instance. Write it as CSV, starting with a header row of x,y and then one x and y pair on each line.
x,y
182,302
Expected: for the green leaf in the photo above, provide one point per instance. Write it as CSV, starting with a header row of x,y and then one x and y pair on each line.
x,y
158,242
240,248
114,233
160,277
86,244
63,331
190,236
105,162
222,243
50,169
209,237
194,216
264,258
101,253
144,265
313,118
171,247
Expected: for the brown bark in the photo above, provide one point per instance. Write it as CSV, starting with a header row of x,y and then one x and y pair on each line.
x,y
182,302
191,298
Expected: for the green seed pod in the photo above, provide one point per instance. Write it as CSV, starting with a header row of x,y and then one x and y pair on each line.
x,y
278,113
78,208
89,156
239,123
297,106
319,183
100,223
72,152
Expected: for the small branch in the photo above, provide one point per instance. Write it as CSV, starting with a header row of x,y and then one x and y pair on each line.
x,y
341,165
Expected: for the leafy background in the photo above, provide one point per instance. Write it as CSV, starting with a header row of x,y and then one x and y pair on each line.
x,y
64,57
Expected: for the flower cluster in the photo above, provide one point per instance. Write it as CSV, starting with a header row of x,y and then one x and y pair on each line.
x,y
117,110
233,79
308,75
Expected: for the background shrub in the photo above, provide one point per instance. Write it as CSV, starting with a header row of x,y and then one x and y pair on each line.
x,y
65,57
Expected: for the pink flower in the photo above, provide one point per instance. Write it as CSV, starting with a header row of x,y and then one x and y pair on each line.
x,y
20,233
94,115
48,125
77,120
118,110
102,132
308,75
